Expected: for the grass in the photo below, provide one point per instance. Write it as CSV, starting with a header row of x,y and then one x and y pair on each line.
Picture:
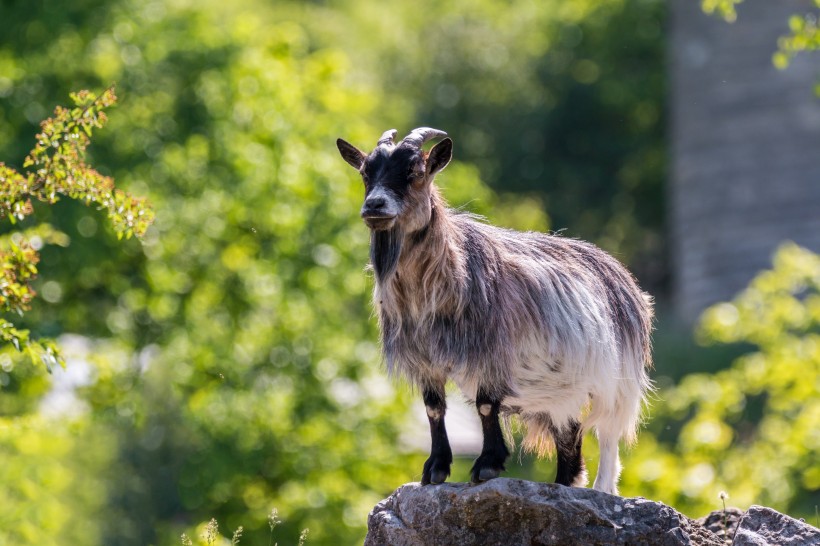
x,y
723,495
211,536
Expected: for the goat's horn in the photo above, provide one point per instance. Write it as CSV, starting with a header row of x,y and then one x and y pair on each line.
x,y
387,137
419,136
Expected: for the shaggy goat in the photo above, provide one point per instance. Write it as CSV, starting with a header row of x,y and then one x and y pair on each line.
x,y
550,328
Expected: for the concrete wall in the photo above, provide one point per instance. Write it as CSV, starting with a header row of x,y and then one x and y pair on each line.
x,y
745,169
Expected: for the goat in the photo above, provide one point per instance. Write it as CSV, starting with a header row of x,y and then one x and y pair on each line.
x,y
550,328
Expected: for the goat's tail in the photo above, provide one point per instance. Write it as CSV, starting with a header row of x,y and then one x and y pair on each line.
x,y
617,412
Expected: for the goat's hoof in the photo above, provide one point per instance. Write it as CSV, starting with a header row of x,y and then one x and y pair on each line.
x,y
438,476
488,474
486,468
484,474
435,472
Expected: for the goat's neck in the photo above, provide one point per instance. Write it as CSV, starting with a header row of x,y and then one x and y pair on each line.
x,y
430,273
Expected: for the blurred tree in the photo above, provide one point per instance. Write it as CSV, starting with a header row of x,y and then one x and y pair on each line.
x,y
561,100
40,467
232,365
47,494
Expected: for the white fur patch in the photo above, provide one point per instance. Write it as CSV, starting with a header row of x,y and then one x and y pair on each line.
x,y
609,468
485,409
433,413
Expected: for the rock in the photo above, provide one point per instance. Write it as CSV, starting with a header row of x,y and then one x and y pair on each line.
x,y
762,526
510,512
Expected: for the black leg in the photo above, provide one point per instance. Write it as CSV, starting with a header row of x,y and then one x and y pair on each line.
x,y
490,463
568,445
437,467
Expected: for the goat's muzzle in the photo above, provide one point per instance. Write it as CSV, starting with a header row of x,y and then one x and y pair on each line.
x,y
378,221
379,212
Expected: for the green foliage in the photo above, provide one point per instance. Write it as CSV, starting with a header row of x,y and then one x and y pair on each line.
x,y
233,362
19,262
56,167
47,494
558,100
209,535
723,8
805,36
245,371
750,429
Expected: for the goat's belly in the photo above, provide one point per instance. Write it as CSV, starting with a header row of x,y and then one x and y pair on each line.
x,y
539,387
548,392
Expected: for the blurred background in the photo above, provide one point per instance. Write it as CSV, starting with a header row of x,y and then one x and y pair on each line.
x,y
228,364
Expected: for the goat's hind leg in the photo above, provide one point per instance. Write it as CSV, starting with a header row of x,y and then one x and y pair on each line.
x,y
609,468
494,453
437,466
568,441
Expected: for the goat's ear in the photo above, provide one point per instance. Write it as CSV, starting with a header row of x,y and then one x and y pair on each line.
x,y
350,153
440,156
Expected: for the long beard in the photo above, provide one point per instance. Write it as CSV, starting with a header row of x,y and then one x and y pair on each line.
x,y
385,249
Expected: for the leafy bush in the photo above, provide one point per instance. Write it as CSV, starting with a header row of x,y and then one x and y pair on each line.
x,y
750,429
56,167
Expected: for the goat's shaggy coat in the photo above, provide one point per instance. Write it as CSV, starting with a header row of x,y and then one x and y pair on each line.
x,y
550,328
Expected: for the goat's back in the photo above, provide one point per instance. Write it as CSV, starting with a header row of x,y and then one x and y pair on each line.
x,y
572,283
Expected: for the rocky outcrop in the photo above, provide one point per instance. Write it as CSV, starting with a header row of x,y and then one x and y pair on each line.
x,y
510,512
762,526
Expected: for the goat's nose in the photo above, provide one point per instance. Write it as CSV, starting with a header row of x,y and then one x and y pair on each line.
x,y
375,203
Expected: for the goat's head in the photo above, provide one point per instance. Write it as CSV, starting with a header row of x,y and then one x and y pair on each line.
x,y
397,177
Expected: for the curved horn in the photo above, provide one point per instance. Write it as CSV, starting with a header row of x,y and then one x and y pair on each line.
x,y
419,136
387,137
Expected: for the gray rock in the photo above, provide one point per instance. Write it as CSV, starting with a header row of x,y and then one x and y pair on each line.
x,y
511,512
762,526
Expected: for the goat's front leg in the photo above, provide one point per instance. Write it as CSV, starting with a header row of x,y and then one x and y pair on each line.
x,y
437,467
490,463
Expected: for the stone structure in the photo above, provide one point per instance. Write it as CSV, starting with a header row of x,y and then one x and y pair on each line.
x,y
507,512
745,136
